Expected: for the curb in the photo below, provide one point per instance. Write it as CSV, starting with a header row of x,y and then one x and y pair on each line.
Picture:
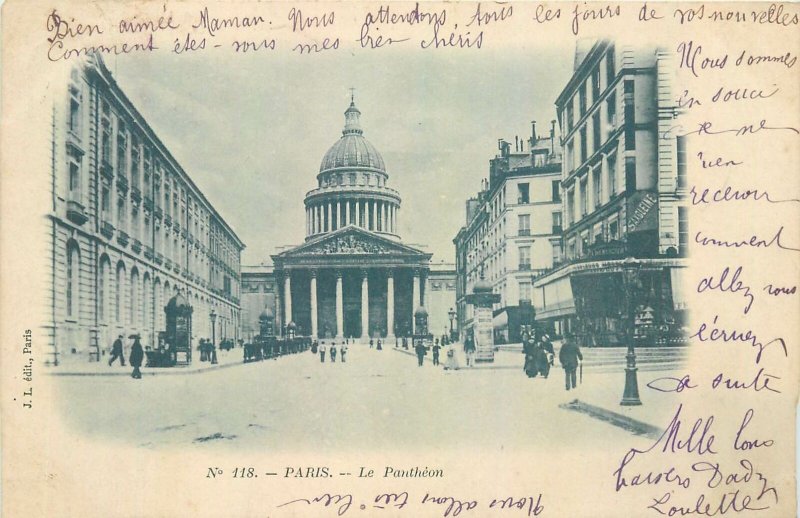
x,y
153,371
622,421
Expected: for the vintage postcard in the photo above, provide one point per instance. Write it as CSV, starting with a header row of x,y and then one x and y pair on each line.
x,y
386,259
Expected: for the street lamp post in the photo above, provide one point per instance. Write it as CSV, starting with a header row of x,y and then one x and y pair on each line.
x,y
630,270
452,315
213,317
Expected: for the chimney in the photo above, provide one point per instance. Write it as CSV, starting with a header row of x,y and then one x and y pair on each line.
x,y
553,136
516,143
500,144
533,133
521,145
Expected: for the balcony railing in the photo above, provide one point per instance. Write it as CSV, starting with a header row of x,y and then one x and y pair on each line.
x,y
158,258
524,232
123,238
76,212
524,266
158,212
122,183
107,170
168,220
107,229
557,229
168,264
148,252
136,194
148,203
136,246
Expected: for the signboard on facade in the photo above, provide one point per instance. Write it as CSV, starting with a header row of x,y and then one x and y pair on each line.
x,y
642,212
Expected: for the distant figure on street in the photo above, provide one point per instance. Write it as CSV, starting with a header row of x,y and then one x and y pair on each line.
x,y
371,343
137,355
547,346
333,352
568,356
541,360
116,352
322,352
314,347
436,348
344,352
469,350
420,349
380,345
529,349
451,364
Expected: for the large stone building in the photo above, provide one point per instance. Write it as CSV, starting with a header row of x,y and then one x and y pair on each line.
x,y
353,277
623,196
512,231
129,228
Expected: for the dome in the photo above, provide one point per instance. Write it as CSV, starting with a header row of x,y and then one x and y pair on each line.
x,y
352,149
267,314
421,312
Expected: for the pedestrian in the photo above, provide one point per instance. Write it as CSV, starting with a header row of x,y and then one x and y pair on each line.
x,y
343,351
137,354
529,349
436,348
568,356
541,360
314,347
380,345
371,343
469,350
333,352
322,352
547,346
452,362
116,352
420,349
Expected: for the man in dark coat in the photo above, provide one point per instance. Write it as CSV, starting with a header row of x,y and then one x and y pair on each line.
x,y
568,356
116,352
435,349
137,354
333,352
420,350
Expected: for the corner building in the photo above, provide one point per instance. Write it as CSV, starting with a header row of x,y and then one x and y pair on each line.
x,y
623,191
353,277
129,229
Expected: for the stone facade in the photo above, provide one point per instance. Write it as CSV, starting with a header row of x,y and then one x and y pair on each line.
x,y
128,228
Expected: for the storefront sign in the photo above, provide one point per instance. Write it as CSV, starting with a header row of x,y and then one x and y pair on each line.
x,y
642,211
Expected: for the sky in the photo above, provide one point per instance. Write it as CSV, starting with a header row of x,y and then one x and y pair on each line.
x,y
251,131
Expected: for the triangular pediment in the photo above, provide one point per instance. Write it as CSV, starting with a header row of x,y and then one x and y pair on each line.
x,y
352,241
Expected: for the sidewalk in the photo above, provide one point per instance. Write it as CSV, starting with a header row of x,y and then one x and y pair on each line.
x,y
81,367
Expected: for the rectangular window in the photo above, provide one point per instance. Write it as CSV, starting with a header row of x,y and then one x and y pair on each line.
x,y
105,200
134,221
596,84
612,175
524,258
584,197
611,111
523,195
556,222
556,252
571,156
570,115
122,150
613,230
524,291
352,179
610,70
74,109
121,213
582,98
74,177
630,116
584,145
570,207
598,187
597,137
106,141
134,162
681,145
524,224
555,186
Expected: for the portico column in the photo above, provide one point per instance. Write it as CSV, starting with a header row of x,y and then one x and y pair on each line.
x,y
287,296
347,213
364,305
372,215
338,214
385,217
358,213
414,299
329,226
427,291
339,306
313,303
390,304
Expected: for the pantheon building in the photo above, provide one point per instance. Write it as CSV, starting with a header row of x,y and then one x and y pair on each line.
x,y
353,277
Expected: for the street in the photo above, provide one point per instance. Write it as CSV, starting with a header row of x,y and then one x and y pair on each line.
x,y
377,399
